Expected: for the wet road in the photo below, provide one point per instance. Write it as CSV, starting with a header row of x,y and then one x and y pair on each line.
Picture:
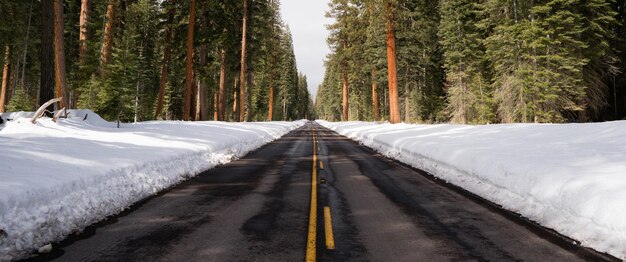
x,y
366,208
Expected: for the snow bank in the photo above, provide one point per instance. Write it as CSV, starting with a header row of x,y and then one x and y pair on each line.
x,y
58,178
569,177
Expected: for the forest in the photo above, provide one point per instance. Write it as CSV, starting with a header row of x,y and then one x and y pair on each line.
x,y
137,60
475,61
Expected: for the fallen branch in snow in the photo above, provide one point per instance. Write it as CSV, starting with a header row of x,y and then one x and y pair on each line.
x,y
58,114
42,109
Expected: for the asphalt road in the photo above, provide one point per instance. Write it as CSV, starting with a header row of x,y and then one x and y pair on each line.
x,y
259,208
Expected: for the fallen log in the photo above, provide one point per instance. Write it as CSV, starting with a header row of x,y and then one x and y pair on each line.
x,y
42,109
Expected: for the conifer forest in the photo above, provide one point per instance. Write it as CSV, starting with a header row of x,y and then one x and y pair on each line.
x,y
137,60
417,61
476,61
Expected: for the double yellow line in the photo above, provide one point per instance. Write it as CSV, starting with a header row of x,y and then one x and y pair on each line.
x,y
328,228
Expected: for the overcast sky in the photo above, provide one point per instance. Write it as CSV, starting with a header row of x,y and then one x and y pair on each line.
x,y
307,23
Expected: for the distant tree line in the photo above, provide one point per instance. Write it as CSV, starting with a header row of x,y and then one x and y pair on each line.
x,y
150,59
477,61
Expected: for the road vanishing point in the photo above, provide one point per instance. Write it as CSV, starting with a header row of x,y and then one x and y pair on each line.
x,y
314,195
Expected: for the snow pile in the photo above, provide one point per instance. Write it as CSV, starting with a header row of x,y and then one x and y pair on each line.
x,y
58,178
568,177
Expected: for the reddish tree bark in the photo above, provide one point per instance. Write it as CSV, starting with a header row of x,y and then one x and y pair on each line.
x,y
189,67
59,54
165,62
392,71
5,77
215,112
242,79
105,54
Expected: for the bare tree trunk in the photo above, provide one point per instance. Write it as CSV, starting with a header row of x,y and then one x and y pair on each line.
x,y
284,108
201,110
375,95
250,85
392,71
194,98
215,112
270,114
137,87
59,54
242,80
189,67
85,6
105,54
345,116
46,58
407,108
5,77
235,91
165,63
222,92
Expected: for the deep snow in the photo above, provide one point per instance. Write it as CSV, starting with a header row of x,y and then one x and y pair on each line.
x,y
568,177
58,178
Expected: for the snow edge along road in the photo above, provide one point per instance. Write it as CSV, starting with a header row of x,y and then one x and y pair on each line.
x,y
33,218
458,155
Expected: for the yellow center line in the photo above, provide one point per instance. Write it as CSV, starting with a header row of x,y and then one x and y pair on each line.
x,y
311,239
328,229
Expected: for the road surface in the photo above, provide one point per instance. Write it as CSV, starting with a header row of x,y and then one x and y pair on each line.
x,y
367,208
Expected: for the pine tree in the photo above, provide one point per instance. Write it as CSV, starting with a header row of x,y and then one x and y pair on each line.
x,y
469,93
343,11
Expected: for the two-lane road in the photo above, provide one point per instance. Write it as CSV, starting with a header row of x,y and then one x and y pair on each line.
x,y
259,208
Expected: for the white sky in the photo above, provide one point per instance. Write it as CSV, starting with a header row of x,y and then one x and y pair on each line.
x,y
308,27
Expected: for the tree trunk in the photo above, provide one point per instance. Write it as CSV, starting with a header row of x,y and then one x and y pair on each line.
x,y
270,114
242,79
345,116
105,54
201,110
5,77
407,108
46,58
235,91
194,98
189,67
165,63
59,54
137,87
222,92
215,112
82,37
375,95
392,71
250,85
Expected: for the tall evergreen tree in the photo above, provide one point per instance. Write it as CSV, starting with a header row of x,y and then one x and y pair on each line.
x,y
468,90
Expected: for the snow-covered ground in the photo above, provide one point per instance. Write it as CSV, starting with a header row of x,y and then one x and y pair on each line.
x,y
58,178
568,177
